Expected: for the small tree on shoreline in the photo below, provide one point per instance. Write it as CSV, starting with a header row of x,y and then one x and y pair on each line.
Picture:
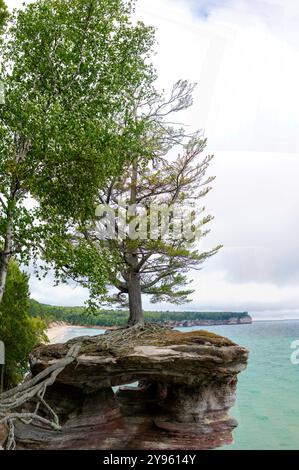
x,y
139,264
158,266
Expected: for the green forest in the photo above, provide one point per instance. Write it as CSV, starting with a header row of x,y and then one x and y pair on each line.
x,y
109,317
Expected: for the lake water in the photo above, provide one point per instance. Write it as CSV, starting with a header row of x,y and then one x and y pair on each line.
x,y
267,407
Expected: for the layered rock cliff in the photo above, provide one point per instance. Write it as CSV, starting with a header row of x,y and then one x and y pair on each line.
x,y
186,386
233,320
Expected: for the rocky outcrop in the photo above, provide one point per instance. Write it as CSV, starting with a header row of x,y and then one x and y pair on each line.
x,y
187,384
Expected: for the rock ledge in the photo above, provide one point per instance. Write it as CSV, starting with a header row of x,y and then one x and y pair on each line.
x,y
187,384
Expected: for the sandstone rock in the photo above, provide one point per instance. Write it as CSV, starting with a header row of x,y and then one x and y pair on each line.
x,y
187,384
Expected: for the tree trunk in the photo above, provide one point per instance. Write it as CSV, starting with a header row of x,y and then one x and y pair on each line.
x,y
6,254
135,300
133,280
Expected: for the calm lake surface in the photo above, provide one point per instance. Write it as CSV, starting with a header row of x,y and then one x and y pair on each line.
x,y
267,407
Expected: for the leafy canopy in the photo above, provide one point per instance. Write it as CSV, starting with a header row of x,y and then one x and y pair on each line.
x,y
3,13
76,66
71,70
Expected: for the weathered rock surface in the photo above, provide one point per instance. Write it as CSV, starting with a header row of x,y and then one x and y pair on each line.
x,y
187,384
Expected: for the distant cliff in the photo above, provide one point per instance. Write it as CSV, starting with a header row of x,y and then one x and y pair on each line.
x,y
232,320
109,318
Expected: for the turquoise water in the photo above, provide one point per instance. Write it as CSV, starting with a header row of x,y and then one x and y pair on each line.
x,y
76,332
267,407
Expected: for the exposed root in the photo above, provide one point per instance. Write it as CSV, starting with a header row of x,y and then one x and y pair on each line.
x,y
129,335
33,389
123,339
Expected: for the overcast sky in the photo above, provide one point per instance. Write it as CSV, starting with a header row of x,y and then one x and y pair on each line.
x,y
244,55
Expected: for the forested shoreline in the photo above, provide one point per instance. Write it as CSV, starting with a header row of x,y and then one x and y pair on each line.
x,y
110,317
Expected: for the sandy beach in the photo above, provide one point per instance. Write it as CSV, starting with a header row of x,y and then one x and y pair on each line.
x,y
56,331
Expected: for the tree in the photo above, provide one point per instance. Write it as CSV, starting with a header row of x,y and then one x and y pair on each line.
x,y
143,262
157,266
19,332
3,14
70,70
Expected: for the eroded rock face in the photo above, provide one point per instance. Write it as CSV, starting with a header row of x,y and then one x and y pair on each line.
x,y
187,384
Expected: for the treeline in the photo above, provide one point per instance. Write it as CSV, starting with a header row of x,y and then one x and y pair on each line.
x,y
109,317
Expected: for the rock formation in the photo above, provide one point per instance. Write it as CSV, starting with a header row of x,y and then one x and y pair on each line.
x,y
186,386
233,320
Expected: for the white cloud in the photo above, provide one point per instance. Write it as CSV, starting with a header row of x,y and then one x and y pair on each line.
x,y
15,3
246,67
45,292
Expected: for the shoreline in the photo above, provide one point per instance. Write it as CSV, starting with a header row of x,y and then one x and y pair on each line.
x,y
56,331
